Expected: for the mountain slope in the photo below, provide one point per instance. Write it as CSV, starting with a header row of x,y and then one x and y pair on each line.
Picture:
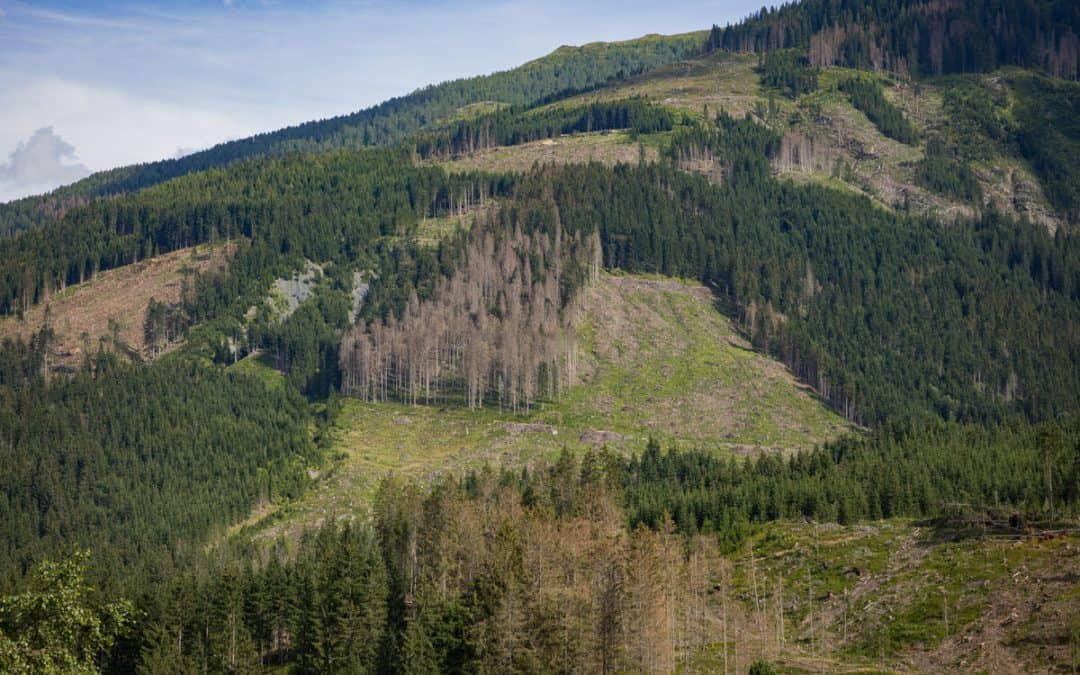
x,y
565,70
613,471
112,305
919,37
657,361
998,140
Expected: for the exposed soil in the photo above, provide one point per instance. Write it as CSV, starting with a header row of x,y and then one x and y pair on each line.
x,y
113,301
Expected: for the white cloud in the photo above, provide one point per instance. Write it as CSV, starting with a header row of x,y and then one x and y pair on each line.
x,y
39,164
114,128
184,152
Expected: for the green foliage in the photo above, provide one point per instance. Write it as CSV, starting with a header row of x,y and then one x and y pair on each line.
x,y
532,568
57,624
281,210
884,315
1048,135
1027,114
322,608
789,71
305,345
868,96
740,146
978,122
915,472
947,175
924,38
142,462
762,667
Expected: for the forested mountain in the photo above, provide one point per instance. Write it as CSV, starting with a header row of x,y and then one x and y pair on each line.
x,y
944,344
564,71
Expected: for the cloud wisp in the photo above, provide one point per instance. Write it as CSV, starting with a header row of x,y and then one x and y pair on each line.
x,y
39,164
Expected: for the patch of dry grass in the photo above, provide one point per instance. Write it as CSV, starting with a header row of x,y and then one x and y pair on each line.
x,y
117,300
608,148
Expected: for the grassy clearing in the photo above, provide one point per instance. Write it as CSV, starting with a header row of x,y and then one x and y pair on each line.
x,y
478,109
839,146
260,366
719,80
658,360
608,148
430,231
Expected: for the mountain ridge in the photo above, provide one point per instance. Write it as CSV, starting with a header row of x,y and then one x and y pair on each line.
x,y
565,69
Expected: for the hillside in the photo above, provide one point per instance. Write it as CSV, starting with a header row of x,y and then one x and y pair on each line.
x,y
828,141
657,361
112,306
566,70
608,148
901,596
641,357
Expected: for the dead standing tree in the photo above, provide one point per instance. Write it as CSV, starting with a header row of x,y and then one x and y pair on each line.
x,y
494,330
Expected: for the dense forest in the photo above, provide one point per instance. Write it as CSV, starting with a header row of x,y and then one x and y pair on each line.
x,y
945,173
513,127
869,97
140,463
918,37
788,71
327,208
901,471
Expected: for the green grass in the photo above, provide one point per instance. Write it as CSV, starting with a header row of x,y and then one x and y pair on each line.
x,y
430,231
719,80
478,109
657,360
666,363
262,367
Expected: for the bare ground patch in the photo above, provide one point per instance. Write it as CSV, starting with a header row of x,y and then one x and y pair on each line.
x,y
114,301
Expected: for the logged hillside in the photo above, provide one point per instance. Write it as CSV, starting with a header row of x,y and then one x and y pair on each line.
x,y
760,356
976,142
656,360
112,308
784,256
510,570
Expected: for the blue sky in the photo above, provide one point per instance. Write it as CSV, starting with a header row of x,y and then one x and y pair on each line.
x,y
93,85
